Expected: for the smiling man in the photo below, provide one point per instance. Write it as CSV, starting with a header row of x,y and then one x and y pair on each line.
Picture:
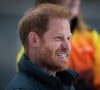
x,y
45,35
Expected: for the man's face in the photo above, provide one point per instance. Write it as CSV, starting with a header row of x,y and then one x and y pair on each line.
x,y
55,48
72,5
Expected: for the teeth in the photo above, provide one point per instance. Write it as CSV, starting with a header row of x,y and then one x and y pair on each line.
x,y
61,55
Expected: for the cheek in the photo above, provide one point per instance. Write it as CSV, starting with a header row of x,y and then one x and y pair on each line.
x,y
48,54
49,51
54,45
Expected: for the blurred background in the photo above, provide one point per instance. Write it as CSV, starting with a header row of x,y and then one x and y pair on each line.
x,y
10,13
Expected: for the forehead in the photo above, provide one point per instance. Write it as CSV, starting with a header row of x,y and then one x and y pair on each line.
x,y
59,25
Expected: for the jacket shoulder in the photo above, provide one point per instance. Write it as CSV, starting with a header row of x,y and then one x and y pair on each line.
x,y
22,82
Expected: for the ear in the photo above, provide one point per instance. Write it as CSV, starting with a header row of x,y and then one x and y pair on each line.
x,y
33,39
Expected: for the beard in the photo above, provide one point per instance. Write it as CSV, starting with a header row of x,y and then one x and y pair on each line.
x,y
48,60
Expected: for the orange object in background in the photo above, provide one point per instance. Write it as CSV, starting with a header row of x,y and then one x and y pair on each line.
x,y
85,55
81,57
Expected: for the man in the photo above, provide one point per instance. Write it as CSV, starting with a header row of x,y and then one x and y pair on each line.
x,y
45,35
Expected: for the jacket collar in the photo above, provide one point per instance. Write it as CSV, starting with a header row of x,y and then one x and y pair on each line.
x,y
66,77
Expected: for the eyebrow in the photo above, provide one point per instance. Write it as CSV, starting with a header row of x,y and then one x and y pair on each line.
x,y
61,34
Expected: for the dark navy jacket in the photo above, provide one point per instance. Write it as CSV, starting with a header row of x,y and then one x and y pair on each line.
x,y
32,77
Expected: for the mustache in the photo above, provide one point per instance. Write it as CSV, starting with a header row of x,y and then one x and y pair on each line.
x,y
67,51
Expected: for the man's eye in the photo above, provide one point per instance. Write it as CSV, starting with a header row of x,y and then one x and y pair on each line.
x,y
58,38
68,38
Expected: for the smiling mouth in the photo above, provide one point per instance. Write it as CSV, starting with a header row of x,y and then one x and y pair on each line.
x,y
62,55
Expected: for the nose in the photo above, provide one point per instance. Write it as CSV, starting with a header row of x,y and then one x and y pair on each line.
x,y
67,45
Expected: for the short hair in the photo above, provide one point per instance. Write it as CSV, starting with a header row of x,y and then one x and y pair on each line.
x,y
36,19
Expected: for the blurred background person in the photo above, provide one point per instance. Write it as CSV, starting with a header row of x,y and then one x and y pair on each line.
x,y
85,46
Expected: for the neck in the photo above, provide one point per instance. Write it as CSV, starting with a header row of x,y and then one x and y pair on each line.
x,y
53,73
